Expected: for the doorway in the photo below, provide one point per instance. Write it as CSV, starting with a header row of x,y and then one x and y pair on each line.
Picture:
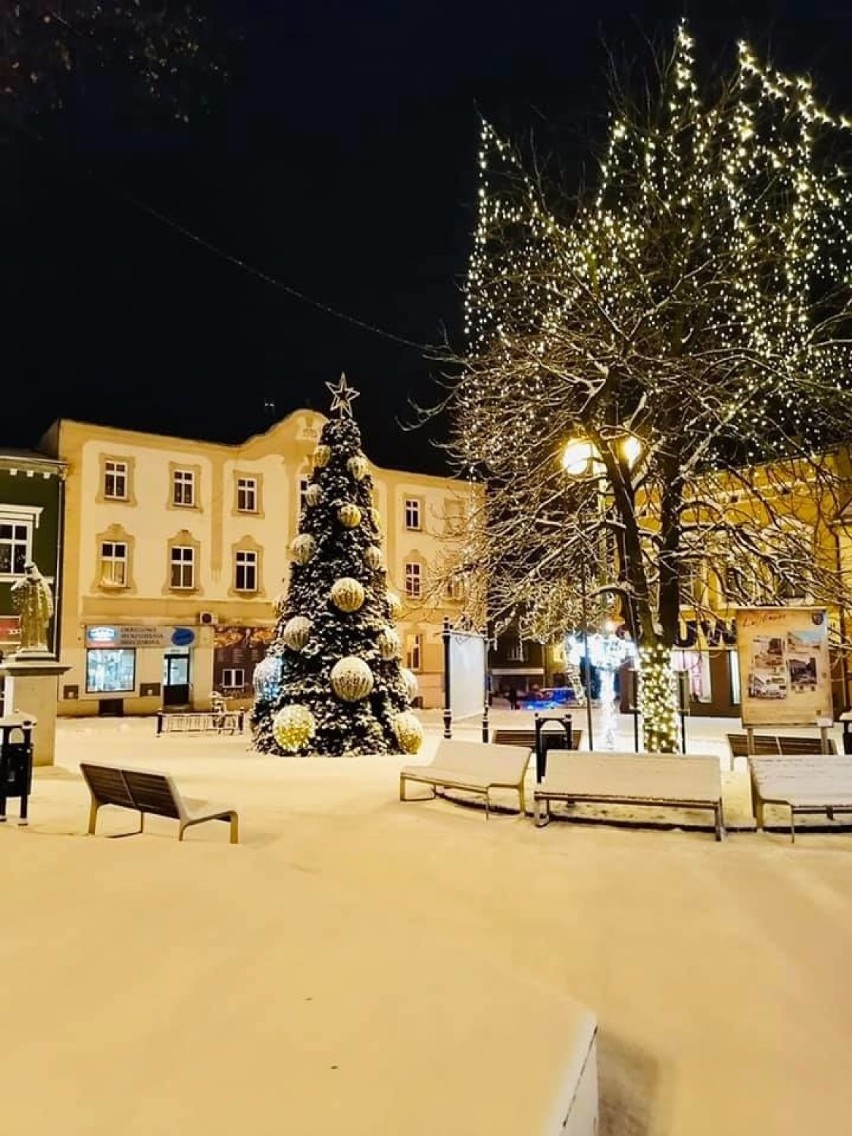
x,y
176,680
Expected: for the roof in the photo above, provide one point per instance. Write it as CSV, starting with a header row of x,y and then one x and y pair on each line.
x,y
10,455
437,478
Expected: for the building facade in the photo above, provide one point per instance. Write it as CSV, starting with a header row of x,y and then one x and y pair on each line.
x,y
174,550
31,505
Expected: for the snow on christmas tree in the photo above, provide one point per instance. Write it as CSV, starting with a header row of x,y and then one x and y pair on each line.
x,y
331,683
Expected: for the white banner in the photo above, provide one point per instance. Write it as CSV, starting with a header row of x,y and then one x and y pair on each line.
x,y
467,675
138,635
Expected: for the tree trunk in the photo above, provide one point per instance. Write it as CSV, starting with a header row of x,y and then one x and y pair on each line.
x,y
658,697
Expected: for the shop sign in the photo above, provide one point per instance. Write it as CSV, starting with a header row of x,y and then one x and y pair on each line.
x,y
10,628
138,635
240,646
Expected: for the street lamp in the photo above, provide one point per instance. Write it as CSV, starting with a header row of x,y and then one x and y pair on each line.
x,y
581,460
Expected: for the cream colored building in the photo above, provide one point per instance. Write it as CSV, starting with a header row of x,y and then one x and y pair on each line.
x,y
174,549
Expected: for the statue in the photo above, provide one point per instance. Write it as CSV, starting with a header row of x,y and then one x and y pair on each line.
x,y
31,597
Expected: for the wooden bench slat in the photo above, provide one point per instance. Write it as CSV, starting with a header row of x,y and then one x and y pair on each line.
x,y
152,794
556,739
785,745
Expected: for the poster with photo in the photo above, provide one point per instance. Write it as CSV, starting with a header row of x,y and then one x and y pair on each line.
x,y
784,666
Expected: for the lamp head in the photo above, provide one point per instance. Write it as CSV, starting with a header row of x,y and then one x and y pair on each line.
x,y
580,458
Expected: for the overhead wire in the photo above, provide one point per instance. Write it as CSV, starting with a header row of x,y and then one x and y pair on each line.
x,y
238,262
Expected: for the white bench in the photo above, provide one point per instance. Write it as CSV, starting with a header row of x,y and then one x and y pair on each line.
x,y
803,784
632,779
475,767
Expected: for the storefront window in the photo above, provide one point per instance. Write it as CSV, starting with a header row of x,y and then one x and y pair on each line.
x,y
110,671
697,666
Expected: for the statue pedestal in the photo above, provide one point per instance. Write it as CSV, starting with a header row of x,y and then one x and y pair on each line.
x,y
31,690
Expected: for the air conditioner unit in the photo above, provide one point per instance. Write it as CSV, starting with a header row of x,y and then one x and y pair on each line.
x,y
206,617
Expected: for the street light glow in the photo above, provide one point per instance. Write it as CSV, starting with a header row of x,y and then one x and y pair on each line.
x,y
581,458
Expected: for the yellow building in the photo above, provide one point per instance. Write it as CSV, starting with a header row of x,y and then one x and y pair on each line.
x,y
794,511
174,550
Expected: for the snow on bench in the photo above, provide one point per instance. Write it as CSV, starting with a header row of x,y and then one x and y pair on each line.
x,y
804,784
475,767
633,779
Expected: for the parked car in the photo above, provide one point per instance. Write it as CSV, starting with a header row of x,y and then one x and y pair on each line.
x,y
548,698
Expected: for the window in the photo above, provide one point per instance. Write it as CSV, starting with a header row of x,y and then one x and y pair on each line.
x,y
110,670
413,579
692,585
183,487
412,513
453,518
183,566
115,480
304,482
233,678
455,588
516,652
245,571
15,543
246,495
113,564
413,652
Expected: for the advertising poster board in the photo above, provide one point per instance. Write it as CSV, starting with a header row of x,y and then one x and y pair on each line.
x,y
239,647
785,678
468,662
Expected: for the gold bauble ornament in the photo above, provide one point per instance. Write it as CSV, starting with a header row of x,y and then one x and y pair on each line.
x,y
376,518
409,678
313,495
357,466
302,548
292,727
349,516
296,632
388,644
408,731
395,605
322,456
351,679
279,604
347,594
373,557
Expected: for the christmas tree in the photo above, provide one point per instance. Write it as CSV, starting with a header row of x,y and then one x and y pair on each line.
x,y
331,683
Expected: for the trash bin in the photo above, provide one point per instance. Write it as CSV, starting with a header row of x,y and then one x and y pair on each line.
x,y
16,762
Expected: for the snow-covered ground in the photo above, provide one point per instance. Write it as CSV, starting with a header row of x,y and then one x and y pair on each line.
x,y
358,965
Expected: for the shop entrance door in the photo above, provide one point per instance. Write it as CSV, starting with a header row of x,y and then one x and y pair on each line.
x,y
176,680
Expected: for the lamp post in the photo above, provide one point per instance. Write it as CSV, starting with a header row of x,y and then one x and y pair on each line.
x,y
581,460
587,666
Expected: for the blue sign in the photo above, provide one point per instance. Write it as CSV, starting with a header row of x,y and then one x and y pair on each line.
x,y
183,637
101,634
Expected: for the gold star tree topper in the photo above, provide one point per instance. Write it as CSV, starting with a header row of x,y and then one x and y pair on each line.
x,y
344,395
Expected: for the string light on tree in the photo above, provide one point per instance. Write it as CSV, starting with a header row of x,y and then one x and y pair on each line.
x,y
698,301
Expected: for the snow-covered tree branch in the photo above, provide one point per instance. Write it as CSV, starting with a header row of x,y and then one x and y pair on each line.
x,y
690,321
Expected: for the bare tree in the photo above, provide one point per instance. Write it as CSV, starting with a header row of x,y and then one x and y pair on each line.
x,y
689,323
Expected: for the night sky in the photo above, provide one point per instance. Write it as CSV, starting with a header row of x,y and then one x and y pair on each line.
x,y
340,160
